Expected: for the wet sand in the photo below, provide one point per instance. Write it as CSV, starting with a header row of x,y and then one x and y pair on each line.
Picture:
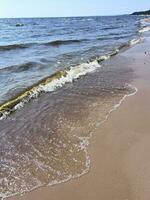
x,y
119,149
147,20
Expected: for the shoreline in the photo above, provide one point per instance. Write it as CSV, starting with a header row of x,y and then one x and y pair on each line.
x,y
59,78
113,176
94,118
115,107
86,149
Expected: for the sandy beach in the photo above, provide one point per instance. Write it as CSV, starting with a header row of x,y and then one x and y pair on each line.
x,y
119,148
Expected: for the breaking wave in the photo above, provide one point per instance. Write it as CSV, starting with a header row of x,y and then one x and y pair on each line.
x,y
144,29
48,84
55,80
145,25
51,83
136,41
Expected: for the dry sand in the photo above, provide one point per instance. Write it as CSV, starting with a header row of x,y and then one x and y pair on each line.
x,y
119,150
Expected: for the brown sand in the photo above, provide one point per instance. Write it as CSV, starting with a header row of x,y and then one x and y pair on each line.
x,y
120,148
147,20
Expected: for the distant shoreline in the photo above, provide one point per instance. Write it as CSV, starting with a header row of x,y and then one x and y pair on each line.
x,y
147,12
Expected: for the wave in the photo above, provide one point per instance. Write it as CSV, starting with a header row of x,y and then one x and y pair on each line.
x,y
63,42
51,43
111,28
51,83
130,43
136,41
13,47
56,43
29,65
145,25
21,67
144,29
48,84
114,37
57,80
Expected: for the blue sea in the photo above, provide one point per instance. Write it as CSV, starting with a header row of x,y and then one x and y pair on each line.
x,y
32,49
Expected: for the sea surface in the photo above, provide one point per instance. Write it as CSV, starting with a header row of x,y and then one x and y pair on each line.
x,y
32,49
58,82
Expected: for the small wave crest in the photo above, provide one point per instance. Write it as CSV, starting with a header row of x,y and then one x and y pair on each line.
x,y
13,47
144,29
110,28
21,67
63,42
145,25
51,43
135,41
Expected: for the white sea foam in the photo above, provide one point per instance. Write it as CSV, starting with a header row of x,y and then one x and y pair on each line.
x,y
136,41
104,57
145,21
71,74
145,25
144,29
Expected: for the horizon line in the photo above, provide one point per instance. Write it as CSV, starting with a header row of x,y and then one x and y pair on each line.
x,y
65,16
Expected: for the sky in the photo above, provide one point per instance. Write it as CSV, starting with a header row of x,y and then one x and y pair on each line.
x,y
60,8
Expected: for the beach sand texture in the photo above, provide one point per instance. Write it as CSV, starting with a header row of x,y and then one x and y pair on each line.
x,y
119,149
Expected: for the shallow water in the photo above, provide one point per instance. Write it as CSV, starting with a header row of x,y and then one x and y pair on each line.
x,y
45,142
